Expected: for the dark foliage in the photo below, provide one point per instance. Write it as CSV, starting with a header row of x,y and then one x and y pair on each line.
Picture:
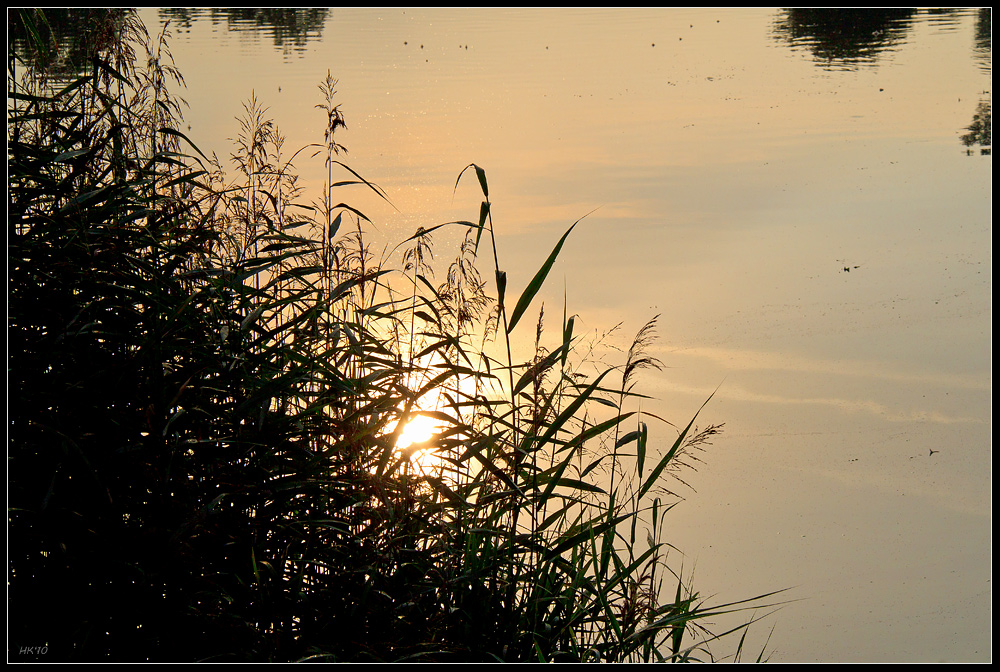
x,y
205,404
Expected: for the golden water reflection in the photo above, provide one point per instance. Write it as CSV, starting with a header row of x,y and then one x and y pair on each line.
x,y
738,161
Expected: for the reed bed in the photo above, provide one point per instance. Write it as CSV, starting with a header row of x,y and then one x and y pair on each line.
x,y
209,382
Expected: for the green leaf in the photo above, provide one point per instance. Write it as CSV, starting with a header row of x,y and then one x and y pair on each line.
x,y
537,369
252,317
357,212
596,430
567,338
583,532
627,439
536,282
576,484
501,287
655,474
481,174
484,211
166,130
374,187
571,410
441,487
641,447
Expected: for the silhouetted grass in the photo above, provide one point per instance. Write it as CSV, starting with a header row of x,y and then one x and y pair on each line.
x,y
208,384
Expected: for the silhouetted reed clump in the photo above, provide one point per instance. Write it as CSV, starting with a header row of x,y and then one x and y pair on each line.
x,y
209,382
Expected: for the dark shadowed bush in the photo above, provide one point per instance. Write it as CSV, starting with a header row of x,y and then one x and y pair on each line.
x,y
209,380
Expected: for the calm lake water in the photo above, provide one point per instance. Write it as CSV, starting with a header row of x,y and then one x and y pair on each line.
x,y
796,202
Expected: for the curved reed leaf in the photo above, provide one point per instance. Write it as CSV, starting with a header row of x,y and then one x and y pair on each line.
x,y
665,460
536,282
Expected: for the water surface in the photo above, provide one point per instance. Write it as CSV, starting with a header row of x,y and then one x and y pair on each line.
x,y
793,197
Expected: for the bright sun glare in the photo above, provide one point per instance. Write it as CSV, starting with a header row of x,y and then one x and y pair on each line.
x,y
421,428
